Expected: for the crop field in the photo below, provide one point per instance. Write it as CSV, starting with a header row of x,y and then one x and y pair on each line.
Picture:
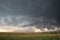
x,y
30,36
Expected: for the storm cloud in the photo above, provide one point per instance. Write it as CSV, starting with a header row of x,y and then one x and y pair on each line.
x,y
27,13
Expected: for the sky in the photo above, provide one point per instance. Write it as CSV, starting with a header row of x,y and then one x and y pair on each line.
x,y
27,13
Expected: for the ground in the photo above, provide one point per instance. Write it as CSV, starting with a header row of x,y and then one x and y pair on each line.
x,y
30,36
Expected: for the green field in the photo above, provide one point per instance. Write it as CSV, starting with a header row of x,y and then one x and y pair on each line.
x,y
30,36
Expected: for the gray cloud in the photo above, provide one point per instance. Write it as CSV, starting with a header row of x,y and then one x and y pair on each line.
x,y
29,7
27,24
27,13
24,21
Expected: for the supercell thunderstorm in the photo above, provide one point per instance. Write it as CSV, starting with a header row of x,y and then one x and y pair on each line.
x,y
27,24
29,15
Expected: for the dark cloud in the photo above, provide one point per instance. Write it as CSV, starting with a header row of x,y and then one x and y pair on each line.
x,y
31,8
29,15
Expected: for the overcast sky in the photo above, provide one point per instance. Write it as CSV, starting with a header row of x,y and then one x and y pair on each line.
x,y
14,12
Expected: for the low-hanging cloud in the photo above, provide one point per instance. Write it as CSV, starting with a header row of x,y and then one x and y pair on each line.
x,y
26,24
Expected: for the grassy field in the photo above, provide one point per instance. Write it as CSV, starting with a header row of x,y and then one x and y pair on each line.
x,y
30,36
